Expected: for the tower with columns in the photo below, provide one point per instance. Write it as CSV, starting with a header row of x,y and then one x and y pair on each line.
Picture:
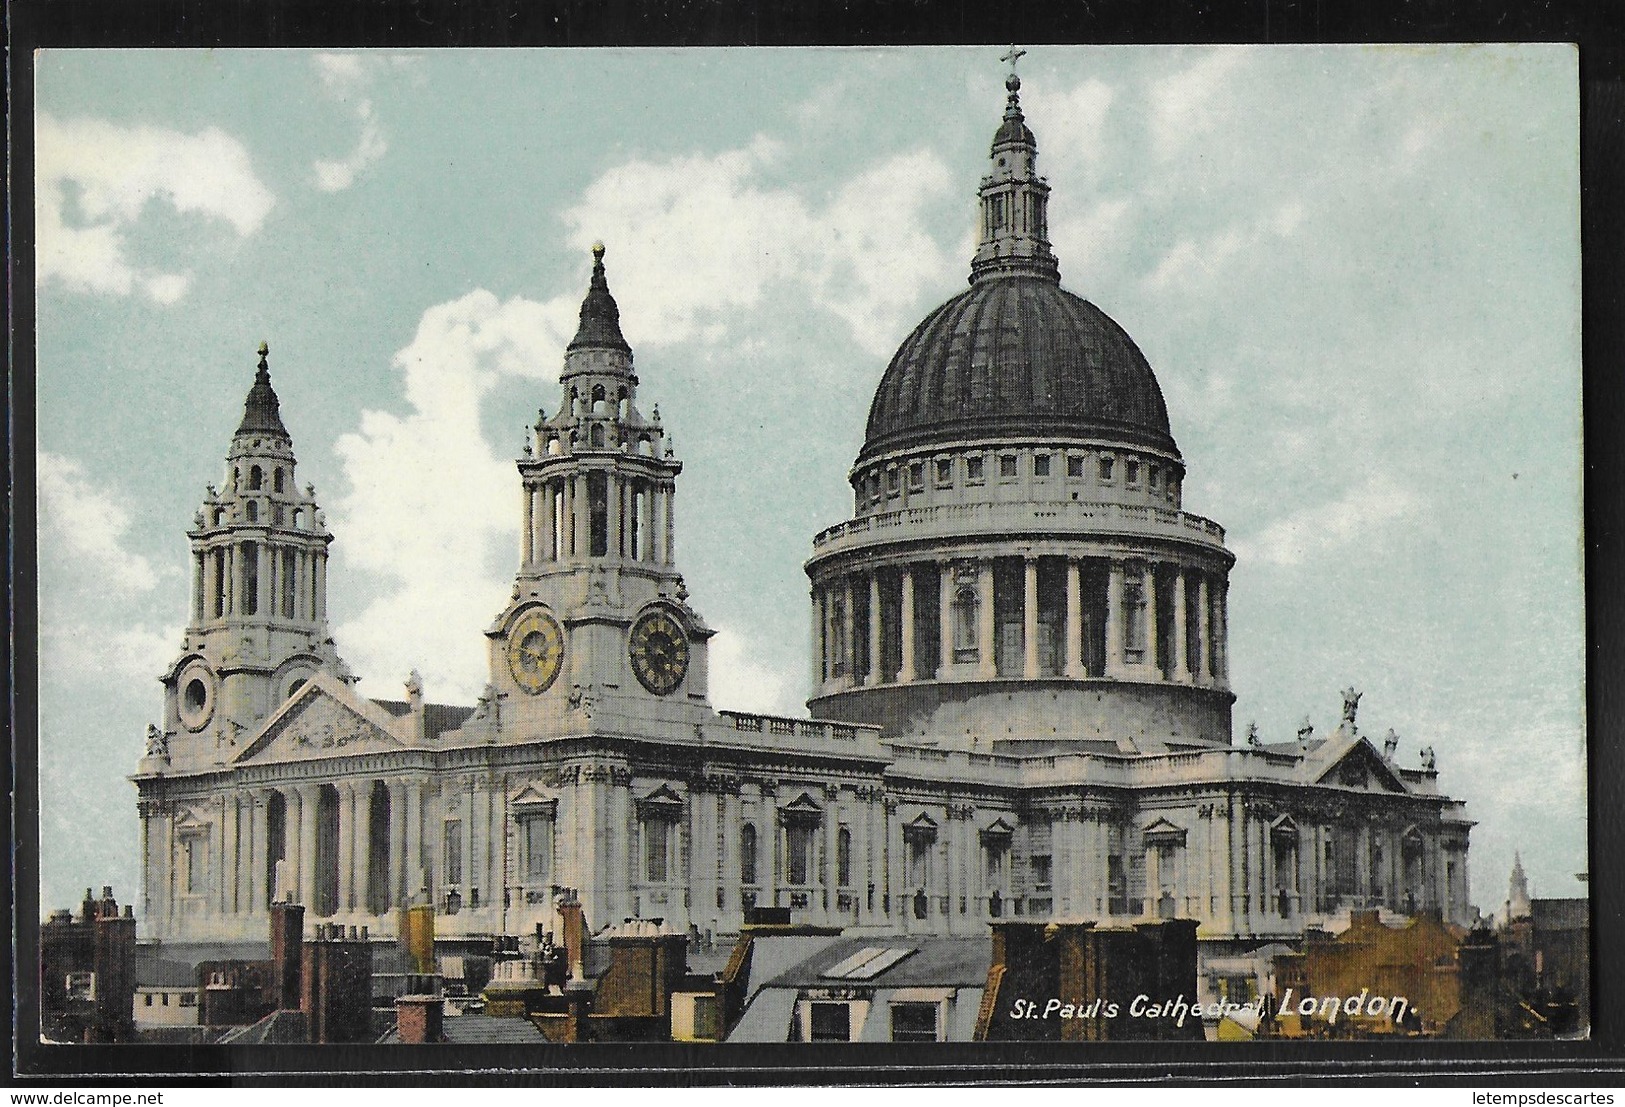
x,y
597,558
258,620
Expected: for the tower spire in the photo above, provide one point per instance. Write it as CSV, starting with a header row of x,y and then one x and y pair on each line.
x,y
261,411
1014,238
600,316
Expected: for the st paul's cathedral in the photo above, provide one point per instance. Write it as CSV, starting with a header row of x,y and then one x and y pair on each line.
x,y
1020,705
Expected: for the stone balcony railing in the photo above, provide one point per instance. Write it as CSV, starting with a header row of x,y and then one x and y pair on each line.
x,y
1068,517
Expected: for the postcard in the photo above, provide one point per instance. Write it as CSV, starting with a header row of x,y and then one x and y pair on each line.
x,y
746,547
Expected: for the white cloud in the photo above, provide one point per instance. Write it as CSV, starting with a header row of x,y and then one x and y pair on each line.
x,y
1362,514
700,235
95,179
740,681
88,524
431,506
1192,259
347,79
1191,102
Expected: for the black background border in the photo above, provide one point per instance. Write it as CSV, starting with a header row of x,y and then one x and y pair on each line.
x,y
1597,26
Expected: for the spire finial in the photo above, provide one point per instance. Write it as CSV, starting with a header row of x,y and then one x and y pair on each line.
x,y
598,252
264,352
600,318
1013,82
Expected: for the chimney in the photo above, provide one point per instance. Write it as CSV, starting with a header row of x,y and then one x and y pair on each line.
x,y
337,987
287,933
575,934
419,1019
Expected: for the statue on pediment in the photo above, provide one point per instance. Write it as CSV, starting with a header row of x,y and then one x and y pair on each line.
x,y
1389,745
1351,705
157,742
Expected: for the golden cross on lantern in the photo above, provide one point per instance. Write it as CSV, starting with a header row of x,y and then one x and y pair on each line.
x,y
1013,56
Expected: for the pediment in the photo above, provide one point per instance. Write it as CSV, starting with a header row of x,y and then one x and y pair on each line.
x,y
322,719
998,828
1163,833
1362,769
531,801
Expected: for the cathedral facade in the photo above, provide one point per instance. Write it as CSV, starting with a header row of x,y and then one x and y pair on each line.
x,y
1020,698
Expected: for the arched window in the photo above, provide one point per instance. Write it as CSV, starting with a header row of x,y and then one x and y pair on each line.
x,y
276,481
747,854
843,857
598,435
253,512
256,477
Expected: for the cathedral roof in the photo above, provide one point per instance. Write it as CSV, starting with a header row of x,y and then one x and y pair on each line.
x,y
261,411
1016,355
600,316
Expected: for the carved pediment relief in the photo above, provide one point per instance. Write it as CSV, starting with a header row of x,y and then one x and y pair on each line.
x,y
314,725
1361,769
1163,833
531,802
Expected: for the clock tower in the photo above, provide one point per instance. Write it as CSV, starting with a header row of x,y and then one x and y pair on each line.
x,y
599,631
258,622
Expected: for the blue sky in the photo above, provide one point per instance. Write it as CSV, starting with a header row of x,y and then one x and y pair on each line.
x,y
1355,271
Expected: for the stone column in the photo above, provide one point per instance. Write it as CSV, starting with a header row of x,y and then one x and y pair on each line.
x,y
1204,633
567,517
876,672
1114,622
234,585
397,844
321,589
346,847
905,674
361,850
945,618
987,659
671,527
848,633
1074,619
549,524
264,556
415,878
227,875
815,644
307,846
1029,620
259,841
527,529
646,530
1221,633
1150,585
200,587
612,514
1182,668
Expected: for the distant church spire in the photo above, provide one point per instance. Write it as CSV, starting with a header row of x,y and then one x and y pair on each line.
x,y
1014,232
1518,905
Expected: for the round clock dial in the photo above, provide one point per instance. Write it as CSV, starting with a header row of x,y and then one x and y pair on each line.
x,y
535,652
659,652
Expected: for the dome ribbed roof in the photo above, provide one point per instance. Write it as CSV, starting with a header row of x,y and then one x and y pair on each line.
x,y
1017,356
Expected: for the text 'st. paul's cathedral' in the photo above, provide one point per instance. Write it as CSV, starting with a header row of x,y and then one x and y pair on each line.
x,y
1020,696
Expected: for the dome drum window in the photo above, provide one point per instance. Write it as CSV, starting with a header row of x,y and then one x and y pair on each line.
x,y
973,470
945,472
1075,465
1041,465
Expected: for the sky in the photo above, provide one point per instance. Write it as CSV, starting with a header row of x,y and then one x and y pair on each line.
x,y
1355,271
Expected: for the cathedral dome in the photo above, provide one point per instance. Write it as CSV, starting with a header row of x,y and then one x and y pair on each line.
x,y
1016,355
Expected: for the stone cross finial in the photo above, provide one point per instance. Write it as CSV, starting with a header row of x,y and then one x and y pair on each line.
x,y
1013,57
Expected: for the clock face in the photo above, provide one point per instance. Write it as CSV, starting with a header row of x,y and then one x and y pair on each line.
x,y
659,652
535,652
